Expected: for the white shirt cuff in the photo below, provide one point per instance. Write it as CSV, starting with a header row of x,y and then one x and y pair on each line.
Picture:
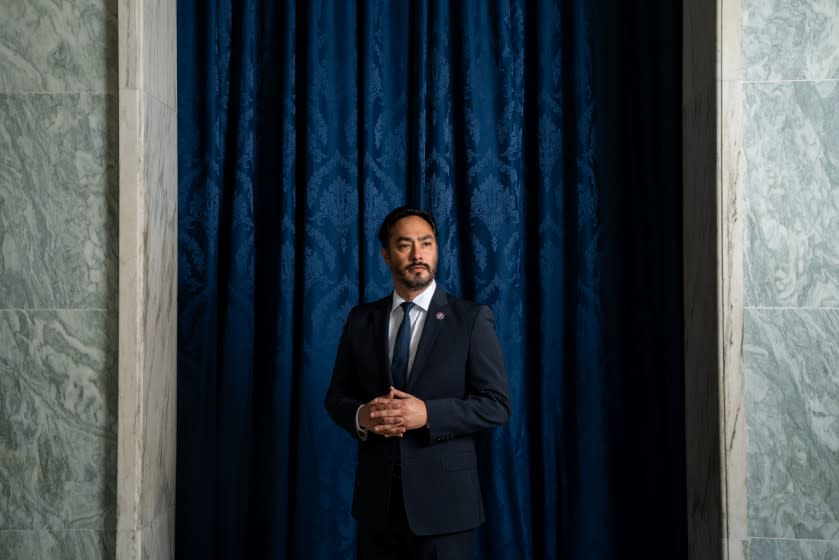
x,y
362,432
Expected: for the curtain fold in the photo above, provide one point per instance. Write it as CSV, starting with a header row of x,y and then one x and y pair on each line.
x,y
544,137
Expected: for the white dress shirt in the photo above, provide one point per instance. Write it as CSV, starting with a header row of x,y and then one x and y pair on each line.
x,y
417,317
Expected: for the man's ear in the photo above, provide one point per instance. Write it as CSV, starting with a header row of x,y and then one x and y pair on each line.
x,y
386,255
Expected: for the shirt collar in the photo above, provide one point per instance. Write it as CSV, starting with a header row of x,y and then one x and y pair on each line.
x,y
423,301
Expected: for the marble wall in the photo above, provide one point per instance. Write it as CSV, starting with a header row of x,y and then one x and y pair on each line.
x,y
790,96
58,279
147,279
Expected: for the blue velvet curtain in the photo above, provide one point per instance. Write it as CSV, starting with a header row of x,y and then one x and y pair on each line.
x,y
545,137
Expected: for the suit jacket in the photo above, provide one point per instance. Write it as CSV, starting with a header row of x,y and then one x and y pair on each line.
x,y
458,371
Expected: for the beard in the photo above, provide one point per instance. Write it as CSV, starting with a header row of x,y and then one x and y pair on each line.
x,y
414,280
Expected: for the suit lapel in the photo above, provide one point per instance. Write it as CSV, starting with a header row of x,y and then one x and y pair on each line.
x,y
432,328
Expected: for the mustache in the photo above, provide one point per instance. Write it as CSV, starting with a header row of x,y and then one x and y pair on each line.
x,y
408,268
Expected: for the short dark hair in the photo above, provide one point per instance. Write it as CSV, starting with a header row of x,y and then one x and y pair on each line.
x,y
399,213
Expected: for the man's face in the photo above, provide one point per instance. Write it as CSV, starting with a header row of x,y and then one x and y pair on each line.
x,y
411,254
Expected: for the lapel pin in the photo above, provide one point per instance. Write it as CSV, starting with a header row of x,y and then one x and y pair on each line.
x,y
440,316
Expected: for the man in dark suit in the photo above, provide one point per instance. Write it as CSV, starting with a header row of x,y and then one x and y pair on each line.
x,y
416,376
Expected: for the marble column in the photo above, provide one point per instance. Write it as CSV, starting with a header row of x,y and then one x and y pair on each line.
x,y
58,279
732,169
714,278
147,279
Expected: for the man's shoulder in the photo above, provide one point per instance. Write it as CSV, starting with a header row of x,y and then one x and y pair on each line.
x,y
462,305
369,307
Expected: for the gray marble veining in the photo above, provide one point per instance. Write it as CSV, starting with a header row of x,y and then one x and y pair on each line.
x,y
147,47
160,249
160,63
48,46
790,90
148,281
792,405
58,279
785,549
791,141
57,545
791,39
58,201
57,420
158,537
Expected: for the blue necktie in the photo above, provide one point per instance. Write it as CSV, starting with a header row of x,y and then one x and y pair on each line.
x,y
402,348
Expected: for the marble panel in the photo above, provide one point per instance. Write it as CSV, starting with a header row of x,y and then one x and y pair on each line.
x,y
791,143
786,549
148,292
58,201
730,42
792,422
148,278
130,312
159,59
130,47
49,46
20,544
126,546
730,266
148,46
730,283
734,549
791,39
57,420
57,545
159,317
158,537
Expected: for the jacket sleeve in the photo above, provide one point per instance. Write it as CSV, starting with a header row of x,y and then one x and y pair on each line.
x,y
342,399
487,400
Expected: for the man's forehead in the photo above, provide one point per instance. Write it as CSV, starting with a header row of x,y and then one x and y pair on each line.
x,y
412,225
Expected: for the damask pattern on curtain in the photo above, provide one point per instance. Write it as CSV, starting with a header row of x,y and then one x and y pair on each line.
x,y
544,137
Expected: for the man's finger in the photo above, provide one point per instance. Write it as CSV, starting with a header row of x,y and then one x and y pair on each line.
x,y
385,429
395,432
391,405
400,394
385,412
387,420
